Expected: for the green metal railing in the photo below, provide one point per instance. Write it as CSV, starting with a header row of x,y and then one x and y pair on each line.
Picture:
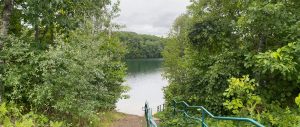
x,y
205,112
148,115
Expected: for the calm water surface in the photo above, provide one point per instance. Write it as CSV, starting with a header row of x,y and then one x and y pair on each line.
x,y
144,78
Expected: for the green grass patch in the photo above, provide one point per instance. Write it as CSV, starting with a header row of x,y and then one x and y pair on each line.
x,y
107,118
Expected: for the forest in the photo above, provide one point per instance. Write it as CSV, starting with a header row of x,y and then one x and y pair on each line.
x,y
236,58
141,45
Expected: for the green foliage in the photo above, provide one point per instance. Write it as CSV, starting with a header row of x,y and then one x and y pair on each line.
x,y
48,18
297,100
11,116
243,101
141,46
77,78
168,119
243,90
59,60
224,39
282,61
278,69
81,77
19,70
240,92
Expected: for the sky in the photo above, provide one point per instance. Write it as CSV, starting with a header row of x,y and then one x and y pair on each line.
x,y
153,17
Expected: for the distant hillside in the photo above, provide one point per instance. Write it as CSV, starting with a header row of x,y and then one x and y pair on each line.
x,y
141,45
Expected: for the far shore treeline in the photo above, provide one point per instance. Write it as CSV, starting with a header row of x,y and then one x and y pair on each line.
x,y
141,45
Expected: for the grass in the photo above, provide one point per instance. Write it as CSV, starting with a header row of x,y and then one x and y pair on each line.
x,y
107,118
158,115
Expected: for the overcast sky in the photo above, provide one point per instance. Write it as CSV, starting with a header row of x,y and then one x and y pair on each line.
x,y
150,16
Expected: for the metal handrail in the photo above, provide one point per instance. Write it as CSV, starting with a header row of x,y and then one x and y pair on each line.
x,y
148,115
206,112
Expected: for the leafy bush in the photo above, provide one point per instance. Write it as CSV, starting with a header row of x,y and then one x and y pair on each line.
x,y
74,79
168,119
242,90
297,100
57,59
241,94
11,116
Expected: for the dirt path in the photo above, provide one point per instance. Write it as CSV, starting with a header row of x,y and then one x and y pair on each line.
x,y
130,121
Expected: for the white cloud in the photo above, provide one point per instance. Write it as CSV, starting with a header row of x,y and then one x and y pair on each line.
x,y
150,16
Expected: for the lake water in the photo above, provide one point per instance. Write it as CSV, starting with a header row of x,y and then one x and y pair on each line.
x,y
146,82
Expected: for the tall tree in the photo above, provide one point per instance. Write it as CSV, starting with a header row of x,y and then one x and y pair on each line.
x,y
6,16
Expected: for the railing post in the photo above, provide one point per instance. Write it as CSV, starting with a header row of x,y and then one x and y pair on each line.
x,y
203,117
159,108
185,111
146,114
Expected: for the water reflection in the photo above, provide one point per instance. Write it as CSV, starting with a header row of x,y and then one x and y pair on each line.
x,y
144,78
143,66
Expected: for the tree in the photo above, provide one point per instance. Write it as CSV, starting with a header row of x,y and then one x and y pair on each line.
x,y
56,63
6,16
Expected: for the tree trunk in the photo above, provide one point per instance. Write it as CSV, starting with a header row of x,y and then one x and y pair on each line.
x,y
37,32
262,43
261,48
52,34
7,10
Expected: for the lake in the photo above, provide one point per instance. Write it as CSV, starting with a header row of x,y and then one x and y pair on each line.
x,y
144,76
